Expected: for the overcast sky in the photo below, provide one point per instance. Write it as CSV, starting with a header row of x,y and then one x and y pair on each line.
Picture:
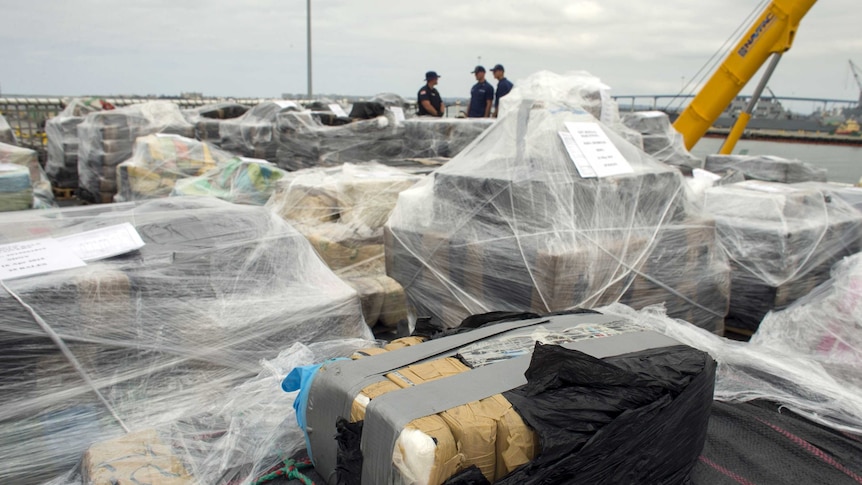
x,y
362,47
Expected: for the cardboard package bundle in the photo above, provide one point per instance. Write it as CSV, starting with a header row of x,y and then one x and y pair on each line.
x,y
6,133
159,161
41,195
538,399
136,457
660,139
766,167
63,142
342,211
781,239
149,335
517,222
240,180
107,139
207,119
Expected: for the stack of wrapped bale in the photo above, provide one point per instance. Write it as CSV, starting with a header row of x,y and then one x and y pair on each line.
x,y
781,240
252,134
660,139
107,139
576,398
41,195
342,211
426,137
511,224
159,161
216,288
241,181
768,168
207,119
63,142
6,133
849,193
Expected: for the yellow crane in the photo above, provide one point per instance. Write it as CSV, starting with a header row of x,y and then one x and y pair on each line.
x,y
769,36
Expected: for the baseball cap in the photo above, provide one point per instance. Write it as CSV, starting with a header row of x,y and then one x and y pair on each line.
x,y
498,67
431,75
478,69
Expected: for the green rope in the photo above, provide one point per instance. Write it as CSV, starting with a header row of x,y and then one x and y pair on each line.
x,y
290,470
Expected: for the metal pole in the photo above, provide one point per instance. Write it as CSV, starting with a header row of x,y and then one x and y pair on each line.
x,y
308,43
739,127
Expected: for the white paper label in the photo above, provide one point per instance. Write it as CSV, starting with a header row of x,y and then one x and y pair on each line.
x,y
597,148
285,104
398,112
255,160
584,168
36,257
166,135
104,242
699,173
338,110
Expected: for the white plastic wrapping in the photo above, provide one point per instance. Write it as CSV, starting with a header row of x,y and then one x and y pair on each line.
x,y
342,211
107,138
41,195
159,161
510,224
6,133
207,119
660,138
253,134
766,167
161,332
63,141
781,239
240,180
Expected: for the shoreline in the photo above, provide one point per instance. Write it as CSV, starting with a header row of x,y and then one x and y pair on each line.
x,y
806,137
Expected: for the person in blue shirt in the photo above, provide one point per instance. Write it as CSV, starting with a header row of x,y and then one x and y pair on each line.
x,y
428,99
481,96
503,86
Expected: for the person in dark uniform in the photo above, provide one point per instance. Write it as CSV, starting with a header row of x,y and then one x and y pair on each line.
x,y
481,96
428,99
503,86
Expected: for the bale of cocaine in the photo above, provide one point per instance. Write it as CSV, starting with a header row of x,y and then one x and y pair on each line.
x,y
240,181
512,224
253,133
107,138
216,288
207,119
782,239
768,168
660,139
41,194
63,142
578,397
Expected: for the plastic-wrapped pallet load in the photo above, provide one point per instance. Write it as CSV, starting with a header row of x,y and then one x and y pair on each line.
x,y
107,138
159,161
16,191
6,133
63,142
240,180
342,210
660,139
849,193
42,195
781,240
517,222
253,134
767,168
441,137
159,331
578,397
207,119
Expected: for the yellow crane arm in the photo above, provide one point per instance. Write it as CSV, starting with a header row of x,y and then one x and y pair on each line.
x,y
771,33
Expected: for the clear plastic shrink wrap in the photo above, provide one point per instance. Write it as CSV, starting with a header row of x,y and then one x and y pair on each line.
x,y
207,119
159,160
240,180
509,224
253,133
107,138
768,168
6,133
161,331
342,210
63,142
660,139
781,239
38,195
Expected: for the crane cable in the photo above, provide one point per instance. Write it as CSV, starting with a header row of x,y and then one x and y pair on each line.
x,y
709,66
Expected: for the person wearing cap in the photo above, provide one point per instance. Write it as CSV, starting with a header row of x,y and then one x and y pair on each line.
x,y
481,96
428,100
503,86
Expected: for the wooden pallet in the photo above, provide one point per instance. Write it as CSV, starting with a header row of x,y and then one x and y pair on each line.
x,y
63,193
738,331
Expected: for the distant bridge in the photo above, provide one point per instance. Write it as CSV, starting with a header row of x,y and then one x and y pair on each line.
x,y
636,102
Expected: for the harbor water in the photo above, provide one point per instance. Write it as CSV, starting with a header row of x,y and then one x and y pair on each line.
x,y
843,162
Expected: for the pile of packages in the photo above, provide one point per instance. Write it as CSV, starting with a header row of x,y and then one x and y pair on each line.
x,y
781,239
660,138
6,133
107,138
241,181
512,223
208,118
140,339
342,211
63,142
591,397
768,168
23,182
